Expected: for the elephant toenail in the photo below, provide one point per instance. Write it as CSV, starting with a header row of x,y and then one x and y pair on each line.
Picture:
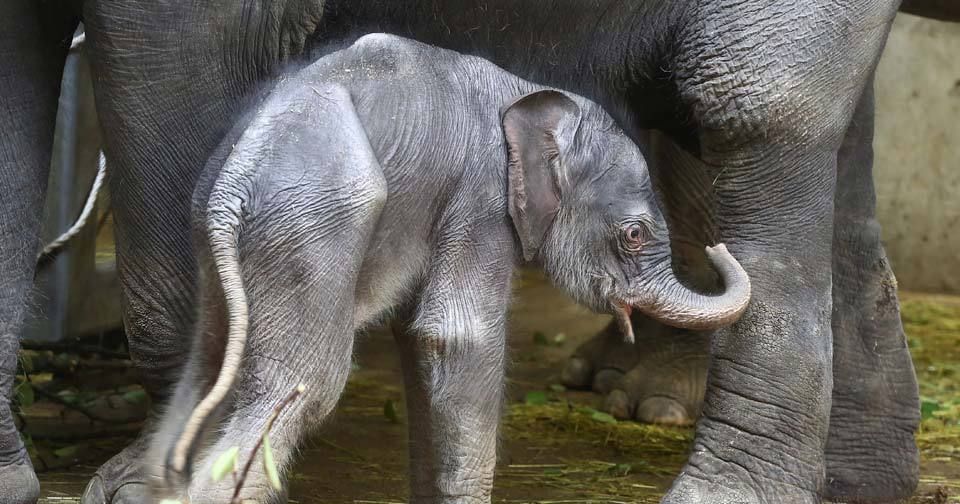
x,y
93,494
131,493
664,411
577,373
618,404
606,379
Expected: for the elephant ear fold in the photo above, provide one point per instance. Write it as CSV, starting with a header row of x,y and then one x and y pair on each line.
x,y
539,128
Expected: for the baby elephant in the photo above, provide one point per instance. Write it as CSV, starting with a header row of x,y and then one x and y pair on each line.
x,y
392,178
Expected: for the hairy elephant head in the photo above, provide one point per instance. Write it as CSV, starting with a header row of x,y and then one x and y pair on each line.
x,y
583,206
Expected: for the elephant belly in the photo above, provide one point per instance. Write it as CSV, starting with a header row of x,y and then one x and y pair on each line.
x,y
392,266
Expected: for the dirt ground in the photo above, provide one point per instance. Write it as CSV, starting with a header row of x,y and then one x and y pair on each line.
x,y
556,448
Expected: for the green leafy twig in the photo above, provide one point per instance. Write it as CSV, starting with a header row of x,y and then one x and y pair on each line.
x,y
228,459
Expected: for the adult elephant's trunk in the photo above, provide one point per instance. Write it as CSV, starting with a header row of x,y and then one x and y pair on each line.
x,y
670,302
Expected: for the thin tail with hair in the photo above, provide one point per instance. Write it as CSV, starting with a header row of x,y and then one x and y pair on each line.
x,y
222,237
54,248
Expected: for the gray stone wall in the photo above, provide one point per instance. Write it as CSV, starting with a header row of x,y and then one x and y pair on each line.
x,y
917,149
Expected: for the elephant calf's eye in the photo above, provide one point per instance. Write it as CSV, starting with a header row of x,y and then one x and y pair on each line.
x,y
633,237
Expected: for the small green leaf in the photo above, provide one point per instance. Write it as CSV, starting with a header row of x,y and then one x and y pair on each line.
x,y
536,398
556,387
225,464
62,361
928,408
87,397
540,339
602,417
69,396
66,451
390,411
269,465
135,396
621,469
25,394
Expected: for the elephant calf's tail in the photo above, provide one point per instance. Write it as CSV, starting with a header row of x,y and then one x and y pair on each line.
x,y
223,225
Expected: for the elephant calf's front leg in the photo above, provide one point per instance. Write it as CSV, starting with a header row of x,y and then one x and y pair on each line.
x,y
453,354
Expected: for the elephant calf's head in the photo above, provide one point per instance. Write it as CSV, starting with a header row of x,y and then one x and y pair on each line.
x,y
583,206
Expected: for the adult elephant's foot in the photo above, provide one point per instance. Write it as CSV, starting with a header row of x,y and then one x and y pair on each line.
x,y
659,379
755,444
121,479
18,484
736,487
18,481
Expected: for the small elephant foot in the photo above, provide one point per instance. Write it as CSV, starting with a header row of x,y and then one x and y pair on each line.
x,y
18,484
692,487
120,480
660,379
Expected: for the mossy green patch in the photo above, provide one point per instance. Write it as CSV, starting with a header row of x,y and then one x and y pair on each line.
x,y
587,455
569,424
933,331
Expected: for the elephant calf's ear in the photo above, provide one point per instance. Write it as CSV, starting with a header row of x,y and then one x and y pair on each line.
x,y
536,126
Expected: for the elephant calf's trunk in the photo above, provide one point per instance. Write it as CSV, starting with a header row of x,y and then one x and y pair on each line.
x,y
674,304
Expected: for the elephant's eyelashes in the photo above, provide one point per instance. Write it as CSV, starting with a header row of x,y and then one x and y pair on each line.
x,y
632,237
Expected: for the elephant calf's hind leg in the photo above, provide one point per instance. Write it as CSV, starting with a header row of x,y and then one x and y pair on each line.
x,y
301,230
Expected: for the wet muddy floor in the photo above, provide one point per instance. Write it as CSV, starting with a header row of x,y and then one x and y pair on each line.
x,y
556,447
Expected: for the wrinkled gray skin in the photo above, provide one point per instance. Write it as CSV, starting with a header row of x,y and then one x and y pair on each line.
x,y
382,178
757,118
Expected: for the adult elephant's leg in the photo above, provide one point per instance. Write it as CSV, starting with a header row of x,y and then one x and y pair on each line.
x,y
764,422
871,452
33,46
171,79
772,113
154,165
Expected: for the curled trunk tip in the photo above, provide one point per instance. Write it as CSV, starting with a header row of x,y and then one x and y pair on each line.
x,y
674,304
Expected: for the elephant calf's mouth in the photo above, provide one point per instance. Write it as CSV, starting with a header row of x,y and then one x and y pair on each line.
x,y
621,312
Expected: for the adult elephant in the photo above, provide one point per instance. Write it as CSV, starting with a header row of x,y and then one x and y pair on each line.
x,y
756,115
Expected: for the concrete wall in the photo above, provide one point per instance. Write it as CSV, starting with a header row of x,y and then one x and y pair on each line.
x,y
917,148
